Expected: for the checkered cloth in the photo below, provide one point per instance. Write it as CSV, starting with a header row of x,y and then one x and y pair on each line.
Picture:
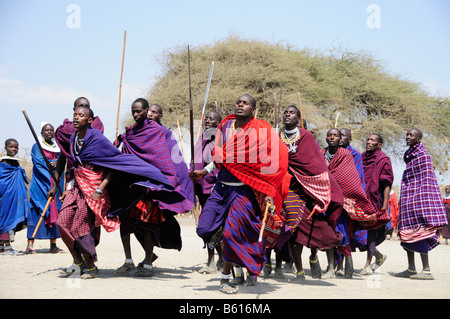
x,y
152,143
377,170
421,204
255,155
89,180
356,204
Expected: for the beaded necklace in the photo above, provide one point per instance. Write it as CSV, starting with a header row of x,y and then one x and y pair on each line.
x,y
291,140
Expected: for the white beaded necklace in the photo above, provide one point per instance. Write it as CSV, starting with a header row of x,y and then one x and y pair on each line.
x,y
290,141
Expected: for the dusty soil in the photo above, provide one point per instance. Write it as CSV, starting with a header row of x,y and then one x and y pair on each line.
x,y
177,276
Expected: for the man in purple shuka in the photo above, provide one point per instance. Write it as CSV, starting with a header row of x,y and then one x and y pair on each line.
x,y
152,220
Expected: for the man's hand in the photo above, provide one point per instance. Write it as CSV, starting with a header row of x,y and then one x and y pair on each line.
x,y
197,174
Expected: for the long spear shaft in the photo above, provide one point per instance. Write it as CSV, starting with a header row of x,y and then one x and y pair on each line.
x,y
300,108
276,111
49,167
42,217
191,120
279,106
206,99
120,85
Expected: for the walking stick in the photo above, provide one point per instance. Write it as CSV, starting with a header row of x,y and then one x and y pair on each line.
x,y
49,167
191,128
268,205
300,108
120,87
42,217
312,213
336,122
275,111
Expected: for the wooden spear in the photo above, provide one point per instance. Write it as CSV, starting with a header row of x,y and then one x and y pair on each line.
x,y
261,232
336,122
191,127
120,86
181,140
42,216
300,108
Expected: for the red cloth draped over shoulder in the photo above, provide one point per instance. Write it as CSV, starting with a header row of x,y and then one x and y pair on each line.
x,y
255,155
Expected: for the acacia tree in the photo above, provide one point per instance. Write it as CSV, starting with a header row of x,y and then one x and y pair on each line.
x,y
355,84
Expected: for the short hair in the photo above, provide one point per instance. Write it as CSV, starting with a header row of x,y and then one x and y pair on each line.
x,y
159,107
11,140
219,116
419,132
81,98
335,128
380,138
296,108
348,130
91,112
251,99
143,101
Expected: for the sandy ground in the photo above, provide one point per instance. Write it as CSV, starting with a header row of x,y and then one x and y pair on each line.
x,y
177,276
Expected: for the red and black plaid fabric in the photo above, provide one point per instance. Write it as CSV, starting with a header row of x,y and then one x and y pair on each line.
x,y
358,207
255,155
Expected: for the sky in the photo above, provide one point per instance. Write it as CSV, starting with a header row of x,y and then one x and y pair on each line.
x,y
53,51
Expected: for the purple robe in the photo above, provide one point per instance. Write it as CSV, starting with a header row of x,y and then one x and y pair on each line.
x,y
153,143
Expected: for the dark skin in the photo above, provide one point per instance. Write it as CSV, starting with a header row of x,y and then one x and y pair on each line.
x,y
11,148
61,163
372,144
155,113
82,121
211,120
413,137
139,113
333,140
290,121
47,132
346,137
244,111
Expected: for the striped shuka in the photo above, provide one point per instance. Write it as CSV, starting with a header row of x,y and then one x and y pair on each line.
x,y
421,209
312,186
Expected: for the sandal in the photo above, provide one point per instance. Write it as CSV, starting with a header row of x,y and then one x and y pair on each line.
x,y
381,261
125,268
55,250
299,278
29,251
366,271
424,275
145,272
406,273
90,273
227,288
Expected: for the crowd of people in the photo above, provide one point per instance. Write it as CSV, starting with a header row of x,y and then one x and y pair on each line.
x,y
259,192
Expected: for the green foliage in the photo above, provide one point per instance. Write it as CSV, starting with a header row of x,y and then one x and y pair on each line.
x,y
355,84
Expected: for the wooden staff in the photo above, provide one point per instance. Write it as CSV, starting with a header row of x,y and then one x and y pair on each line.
x,y
312,213
42,217
181,140
268,205
191,127
49,167
276,111
120,86
300,108
336,122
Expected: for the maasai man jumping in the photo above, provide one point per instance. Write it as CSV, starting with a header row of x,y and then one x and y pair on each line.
x,y
378,176
422,212
14,204
203,151
152,219
312,187
358,211
41,182
253,170
88,201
